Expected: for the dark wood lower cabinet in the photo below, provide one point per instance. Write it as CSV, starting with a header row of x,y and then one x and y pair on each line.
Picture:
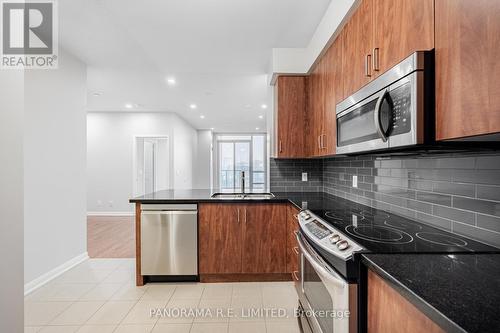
x,y
292,250
220,238
389,312
264,241
242,242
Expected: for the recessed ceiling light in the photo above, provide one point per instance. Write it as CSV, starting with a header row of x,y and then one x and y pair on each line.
x,y
129,106
212,128
192,106
264,106
202,116
261,117
171,81
256,128
96,94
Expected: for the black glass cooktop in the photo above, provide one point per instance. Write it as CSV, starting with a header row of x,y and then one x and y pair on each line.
x,y
381,232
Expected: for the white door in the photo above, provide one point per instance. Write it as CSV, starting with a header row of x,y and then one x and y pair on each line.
x,y
151,165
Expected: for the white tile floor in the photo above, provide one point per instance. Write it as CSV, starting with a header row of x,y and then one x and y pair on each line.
x,y
100,296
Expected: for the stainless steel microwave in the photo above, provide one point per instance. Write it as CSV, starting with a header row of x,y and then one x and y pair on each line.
x,y
392,111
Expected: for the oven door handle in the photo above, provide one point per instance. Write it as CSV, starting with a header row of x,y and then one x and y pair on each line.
x,y
319,266
376,117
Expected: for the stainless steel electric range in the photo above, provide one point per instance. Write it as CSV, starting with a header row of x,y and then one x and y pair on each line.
x,y
331,241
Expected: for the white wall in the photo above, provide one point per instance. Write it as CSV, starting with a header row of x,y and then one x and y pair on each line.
x,y
301,60
110,141
203,167
54,166
11,200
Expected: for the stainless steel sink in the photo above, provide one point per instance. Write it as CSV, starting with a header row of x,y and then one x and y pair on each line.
x,y
247,196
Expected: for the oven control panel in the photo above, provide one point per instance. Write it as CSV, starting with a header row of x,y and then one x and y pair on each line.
x,y
327,236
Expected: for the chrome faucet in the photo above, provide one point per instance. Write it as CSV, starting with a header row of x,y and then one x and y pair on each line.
x,y
242,179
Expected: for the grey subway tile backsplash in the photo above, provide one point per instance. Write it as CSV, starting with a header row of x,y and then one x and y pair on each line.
x,y
480,206
454,214
454,192
488,192
488,222
286,175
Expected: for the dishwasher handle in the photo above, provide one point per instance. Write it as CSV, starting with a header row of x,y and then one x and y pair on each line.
x,y
169,212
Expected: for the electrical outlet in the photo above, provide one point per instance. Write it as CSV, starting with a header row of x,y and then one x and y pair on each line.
x,y
354,181
304,176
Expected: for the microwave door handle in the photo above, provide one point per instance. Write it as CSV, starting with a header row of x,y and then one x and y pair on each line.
x,y
376,117
331,275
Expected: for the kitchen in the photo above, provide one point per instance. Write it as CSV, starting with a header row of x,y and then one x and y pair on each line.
x,y
357,189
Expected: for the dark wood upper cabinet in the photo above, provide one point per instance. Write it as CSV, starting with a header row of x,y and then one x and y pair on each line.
x,y
316,105
389,312
264,238
467,68
290,109
401,27
220,238
357,43
334,93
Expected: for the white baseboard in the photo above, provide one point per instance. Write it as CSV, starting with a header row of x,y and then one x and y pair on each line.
x,y
110,213
51,275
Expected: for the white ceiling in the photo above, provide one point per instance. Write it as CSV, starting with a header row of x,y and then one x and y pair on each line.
x,y
219,52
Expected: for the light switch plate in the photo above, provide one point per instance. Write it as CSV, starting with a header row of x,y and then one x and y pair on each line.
x,y
304,176
354,181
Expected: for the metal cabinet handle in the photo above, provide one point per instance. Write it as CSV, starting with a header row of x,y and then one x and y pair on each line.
x,y
246,216
281,147
238,215
296,216
295,276
296,250
376,67
367,65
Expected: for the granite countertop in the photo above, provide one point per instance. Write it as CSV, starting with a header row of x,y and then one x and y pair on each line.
x,y
460,292
301,200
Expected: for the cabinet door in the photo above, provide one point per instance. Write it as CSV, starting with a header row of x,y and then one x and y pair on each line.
x,y
316,107
389,312
291,108
467,68
358,45
220,238
292,263
333,94
264,238
401,27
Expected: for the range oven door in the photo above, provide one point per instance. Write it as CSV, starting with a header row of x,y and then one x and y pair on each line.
x,y
328,300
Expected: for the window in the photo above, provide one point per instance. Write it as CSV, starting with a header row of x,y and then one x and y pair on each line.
x,y
237,153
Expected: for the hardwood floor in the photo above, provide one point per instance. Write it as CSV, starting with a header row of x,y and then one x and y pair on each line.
x,y
111,236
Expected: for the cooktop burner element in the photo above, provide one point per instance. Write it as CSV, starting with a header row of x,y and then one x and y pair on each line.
x,y
380,234
441,239
333,216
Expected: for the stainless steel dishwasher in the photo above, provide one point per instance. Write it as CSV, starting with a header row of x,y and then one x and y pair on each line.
x,y
169,240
